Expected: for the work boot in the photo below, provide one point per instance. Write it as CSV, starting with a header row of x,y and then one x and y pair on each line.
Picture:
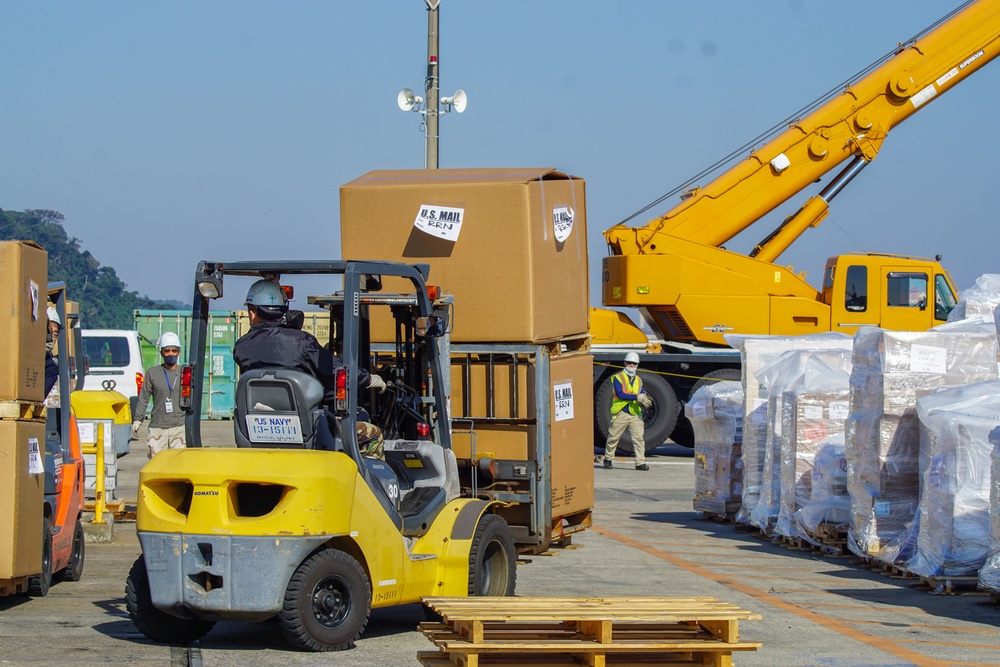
x,y
608,464
642,466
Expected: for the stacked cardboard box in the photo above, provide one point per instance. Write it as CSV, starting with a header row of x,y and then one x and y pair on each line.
x,y
989,573
812,415
23,275
805,368
756,353
716,415
953,525
883,441
829,502
509,244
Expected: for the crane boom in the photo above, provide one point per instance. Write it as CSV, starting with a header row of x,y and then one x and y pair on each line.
x,y
850,126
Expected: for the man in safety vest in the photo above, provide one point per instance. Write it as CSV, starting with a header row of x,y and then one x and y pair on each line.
x,y
626,413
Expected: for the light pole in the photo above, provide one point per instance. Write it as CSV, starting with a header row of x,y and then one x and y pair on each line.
x,y
407,101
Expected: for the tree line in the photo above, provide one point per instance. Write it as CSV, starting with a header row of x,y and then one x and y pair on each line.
x,y
105,302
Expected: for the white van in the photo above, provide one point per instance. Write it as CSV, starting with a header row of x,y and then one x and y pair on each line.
x,y
114,362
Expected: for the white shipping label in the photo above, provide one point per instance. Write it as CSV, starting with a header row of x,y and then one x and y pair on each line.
x,y
927,359
87,431
562,222
759,414
698,410
36,466
286,428
839,409
882,508
33,293
812,411
443,222
563,394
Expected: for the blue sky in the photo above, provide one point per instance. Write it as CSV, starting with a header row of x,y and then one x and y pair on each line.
x,y
172,132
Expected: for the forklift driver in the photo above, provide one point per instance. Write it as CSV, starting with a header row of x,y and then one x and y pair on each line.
x,y
272,342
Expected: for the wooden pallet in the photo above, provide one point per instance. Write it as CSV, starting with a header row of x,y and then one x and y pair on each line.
x,y
942,585
22,410
591,631
13,586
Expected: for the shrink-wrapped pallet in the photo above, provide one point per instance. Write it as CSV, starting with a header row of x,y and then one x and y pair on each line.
x,y
829,502
756,352
952,526
978,301
883,441
805,368
716,415
989,573
812,414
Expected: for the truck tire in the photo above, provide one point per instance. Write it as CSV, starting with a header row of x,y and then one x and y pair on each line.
x,y
327,602
660,419
74,569
492,558
684,433
38,586
152,622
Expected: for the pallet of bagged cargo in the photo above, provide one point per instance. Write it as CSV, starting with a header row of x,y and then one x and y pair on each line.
x,y
597,631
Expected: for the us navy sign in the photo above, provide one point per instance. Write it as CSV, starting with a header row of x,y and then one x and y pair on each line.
x,y
284,428
444,222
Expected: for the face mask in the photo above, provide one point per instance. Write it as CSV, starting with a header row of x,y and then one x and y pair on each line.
x,y
170,359
49,346
630,371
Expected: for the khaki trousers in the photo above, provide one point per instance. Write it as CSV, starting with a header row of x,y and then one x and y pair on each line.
x,y
164,438
622,421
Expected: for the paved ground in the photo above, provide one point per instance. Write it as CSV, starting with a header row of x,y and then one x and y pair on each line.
x,y
645,541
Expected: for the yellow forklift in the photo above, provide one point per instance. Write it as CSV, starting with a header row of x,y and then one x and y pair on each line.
x,y
294,522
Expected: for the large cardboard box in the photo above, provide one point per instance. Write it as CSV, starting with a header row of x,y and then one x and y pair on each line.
x,y
21,498
23,300
570,423
509,244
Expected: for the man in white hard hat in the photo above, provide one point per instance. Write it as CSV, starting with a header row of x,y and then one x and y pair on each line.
x,y
162,384
627,404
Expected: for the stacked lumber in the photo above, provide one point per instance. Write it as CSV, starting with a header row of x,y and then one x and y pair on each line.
x,y
592,631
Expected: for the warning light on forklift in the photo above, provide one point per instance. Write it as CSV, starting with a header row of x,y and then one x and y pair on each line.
x,y
341,389
423,430
186,387
139,379
433,292
289,291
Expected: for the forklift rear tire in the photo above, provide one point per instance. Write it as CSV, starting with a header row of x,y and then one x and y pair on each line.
x,y
150,621
492,559
39,586
327,602
74,569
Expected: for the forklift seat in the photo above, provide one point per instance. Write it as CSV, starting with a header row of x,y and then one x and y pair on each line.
x,y
278,408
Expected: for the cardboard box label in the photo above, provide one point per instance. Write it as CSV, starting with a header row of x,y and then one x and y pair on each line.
x,y
443,222
33,290
839,410
927,359
562,222
564,401
35,464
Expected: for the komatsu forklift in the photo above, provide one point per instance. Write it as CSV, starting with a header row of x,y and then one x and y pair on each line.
x,y
294,522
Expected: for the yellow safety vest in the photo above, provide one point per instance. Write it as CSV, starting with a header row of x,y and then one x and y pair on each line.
x,y
632,386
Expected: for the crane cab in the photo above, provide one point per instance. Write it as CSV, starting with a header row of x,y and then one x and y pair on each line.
x,y
888,291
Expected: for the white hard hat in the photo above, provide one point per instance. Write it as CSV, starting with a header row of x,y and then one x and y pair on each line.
x,y
53,315
168,339
631,358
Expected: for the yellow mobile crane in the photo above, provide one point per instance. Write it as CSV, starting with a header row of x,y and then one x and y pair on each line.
x,y
691,290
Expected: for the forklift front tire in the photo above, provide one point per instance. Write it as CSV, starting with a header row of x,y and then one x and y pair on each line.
x,y
150,621
492,559
327,602
74,569
38,586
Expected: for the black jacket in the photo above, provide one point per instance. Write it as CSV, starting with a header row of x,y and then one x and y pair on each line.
x,y
51,372
275,345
